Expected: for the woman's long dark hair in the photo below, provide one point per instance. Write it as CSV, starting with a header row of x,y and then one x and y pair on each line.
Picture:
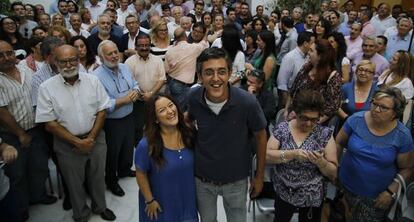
x,y
269,39
341,50
326,25
326,62
231,41
90,58
4,36
153,130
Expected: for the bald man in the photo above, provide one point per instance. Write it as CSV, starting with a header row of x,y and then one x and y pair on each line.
x,y
180,64
73,107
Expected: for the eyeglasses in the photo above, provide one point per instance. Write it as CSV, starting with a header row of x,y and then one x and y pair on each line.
x,y
211,72
143,45
362,70
382,108
9,23
162,30
306,119
71,61
3,55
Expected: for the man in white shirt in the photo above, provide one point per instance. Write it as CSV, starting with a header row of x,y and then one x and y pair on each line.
x,y
95,7
177,13
148,70
383,19
122,12
73,107
76,23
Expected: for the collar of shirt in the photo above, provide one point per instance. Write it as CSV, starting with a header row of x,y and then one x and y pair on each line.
x,y
49,69
108,70
301,53
68,84
142,58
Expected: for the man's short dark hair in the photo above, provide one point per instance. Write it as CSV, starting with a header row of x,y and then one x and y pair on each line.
x,y
60,1
367,12
198,3
304,37
141,36
15,4
244,3
336,13
39,27
48,44
200,25
230,9
212,53
110,10
397,6
383,38
287,22
165,7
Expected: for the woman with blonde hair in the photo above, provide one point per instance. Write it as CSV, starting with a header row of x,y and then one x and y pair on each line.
x,y
160,41
87,22
58,19
399,74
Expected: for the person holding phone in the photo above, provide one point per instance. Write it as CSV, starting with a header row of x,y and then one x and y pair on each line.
x,y
303,154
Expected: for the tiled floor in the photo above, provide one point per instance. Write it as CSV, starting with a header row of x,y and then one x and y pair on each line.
x,y
125,208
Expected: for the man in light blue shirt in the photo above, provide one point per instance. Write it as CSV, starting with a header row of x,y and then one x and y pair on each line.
x,y
401,39
123,91
292,64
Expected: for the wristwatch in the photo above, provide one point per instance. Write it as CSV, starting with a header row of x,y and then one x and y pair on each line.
x,y
393,195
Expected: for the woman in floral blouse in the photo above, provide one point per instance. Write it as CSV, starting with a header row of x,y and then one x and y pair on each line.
x,y
304,154
320,74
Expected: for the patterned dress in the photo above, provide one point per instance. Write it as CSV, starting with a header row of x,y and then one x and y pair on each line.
x,y
331,90
300,183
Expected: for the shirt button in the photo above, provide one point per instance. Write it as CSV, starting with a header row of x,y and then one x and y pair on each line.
x,y
181,157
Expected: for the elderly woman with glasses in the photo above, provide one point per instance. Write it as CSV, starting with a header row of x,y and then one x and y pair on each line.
x,y
304,155
357,95
378,147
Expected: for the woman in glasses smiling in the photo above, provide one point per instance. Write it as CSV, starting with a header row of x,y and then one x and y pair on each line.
x,y
304,154
357,95
378,148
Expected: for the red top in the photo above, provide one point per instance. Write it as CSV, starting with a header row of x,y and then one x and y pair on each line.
x,y
359,105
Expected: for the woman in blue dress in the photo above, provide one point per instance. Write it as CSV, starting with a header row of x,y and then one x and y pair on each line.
x,y
378,147
164,165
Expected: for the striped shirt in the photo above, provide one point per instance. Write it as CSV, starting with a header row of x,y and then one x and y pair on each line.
x,y
15,96
44,73
160,52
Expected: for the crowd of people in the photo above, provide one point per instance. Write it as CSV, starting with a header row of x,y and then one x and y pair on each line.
x,y
188,91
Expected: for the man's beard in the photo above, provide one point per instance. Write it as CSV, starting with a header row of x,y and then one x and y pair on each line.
x,y
103,31
69,72
109,64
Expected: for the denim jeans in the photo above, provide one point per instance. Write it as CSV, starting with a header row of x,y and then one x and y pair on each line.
x,y
234,200
178,91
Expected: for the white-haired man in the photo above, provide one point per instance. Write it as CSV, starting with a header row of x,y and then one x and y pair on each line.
x,y
123,91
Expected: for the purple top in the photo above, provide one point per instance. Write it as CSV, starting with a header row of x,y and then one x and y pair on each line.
x,y
300,183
